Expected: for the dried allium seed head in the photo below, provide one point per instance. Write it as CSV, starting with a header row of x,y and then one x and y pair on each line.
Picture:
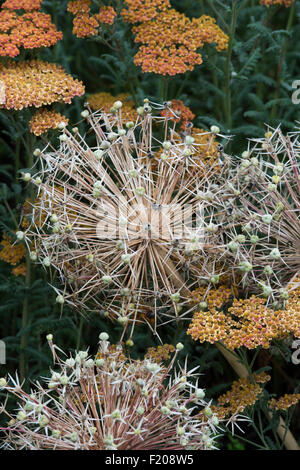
x,y
132,217
111,402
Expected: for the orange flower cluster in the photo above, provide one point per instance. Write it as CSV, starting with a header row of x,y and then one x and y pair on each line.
x,y
45,119
243,393
249,322
179,113
214,298
20,270
37,83
171,40
29,30
285,402
11,253
85,24
286,3
27,5
161,353
139,11
106,15
105,101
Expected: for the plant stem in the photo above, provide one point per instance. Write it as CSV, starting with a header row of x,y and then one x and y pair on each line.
x,y
227,104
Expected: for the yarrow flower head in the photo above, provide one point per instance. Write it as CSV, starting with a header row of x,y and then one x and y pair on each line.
x,y
45,119
31,29
86,24
170,41
106,102
27,5
36,83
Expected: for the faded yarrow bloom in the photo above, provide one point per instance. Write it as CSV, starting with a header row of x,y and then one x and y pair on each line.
x,y
111,402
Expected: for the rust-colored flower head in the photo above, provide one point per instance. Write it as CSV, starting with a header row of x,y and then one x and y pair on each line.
x,y
45,119
140,11
286,3
105,101
86,24
27,5
120,230
36,83
170,42
28,30
109,402
179,113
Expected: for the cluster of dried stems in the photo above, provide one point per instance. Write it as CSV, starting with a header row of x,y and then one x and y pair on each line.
x,y
110,402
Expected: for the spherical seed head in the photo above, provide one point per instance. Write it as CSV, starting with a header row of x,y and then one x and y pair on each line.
x,y
167,145
26,177
62,125
129,343
60,299
103,336
3,382
37,153
98,154
112,136
43,421
129,124
275,253
267,218
85,113
189,140
245,266
20,235
246,154
63,138
33,256
49,337
215,279
268,270
200,393
215,130
123,320
179,346
107,279
140,110
118,104
233,246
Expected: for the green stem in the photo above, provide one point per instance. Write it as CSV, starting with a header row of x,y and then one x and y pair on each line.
x,y
79,333
227,104
281,60
25,316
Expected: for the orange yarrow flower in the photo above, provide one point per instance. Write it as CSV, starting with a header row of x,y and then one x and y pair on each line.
x,y
243,393
45,119
106,15
85,24
179,113
139,11
37,83
29,30
105,101
286,3
171,41
27,5
285,402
